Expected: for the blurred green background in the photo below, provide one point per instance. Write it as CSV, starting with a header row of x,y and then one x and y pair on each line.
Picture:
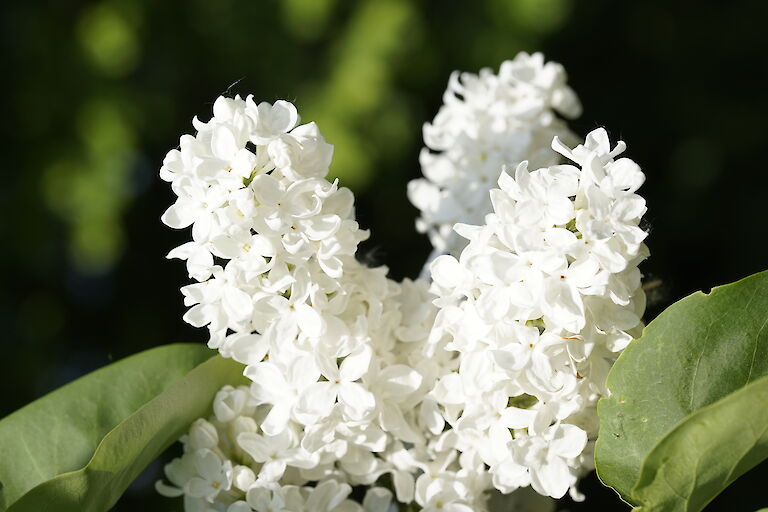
x,y
97,92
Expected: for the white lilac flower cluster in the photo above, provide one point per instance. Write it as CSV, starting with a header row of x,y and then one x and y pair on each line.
x,y
367,394
537,306
252,186
487,120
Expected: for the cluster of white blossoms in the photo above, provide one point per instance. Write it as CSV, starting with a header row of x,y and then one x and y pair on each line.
x,y
460,394
487,120
537,306
252,186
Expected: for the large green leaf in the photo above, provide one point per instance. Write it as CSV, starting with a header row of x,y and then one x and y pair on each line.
x,y
80,446
706,452
698,351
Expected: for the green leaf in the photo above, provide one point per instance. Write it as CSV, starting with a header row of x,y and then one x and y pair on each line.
x,y
83,444
706,452
698,351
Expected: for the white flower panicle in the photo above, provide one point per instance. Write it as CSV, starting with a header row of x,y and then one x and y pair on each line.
x,y
536,307
252,185
444,394
487,120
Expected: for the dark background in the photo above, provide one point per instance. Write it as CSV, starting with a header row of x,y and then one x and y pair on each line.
x,y
97,92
